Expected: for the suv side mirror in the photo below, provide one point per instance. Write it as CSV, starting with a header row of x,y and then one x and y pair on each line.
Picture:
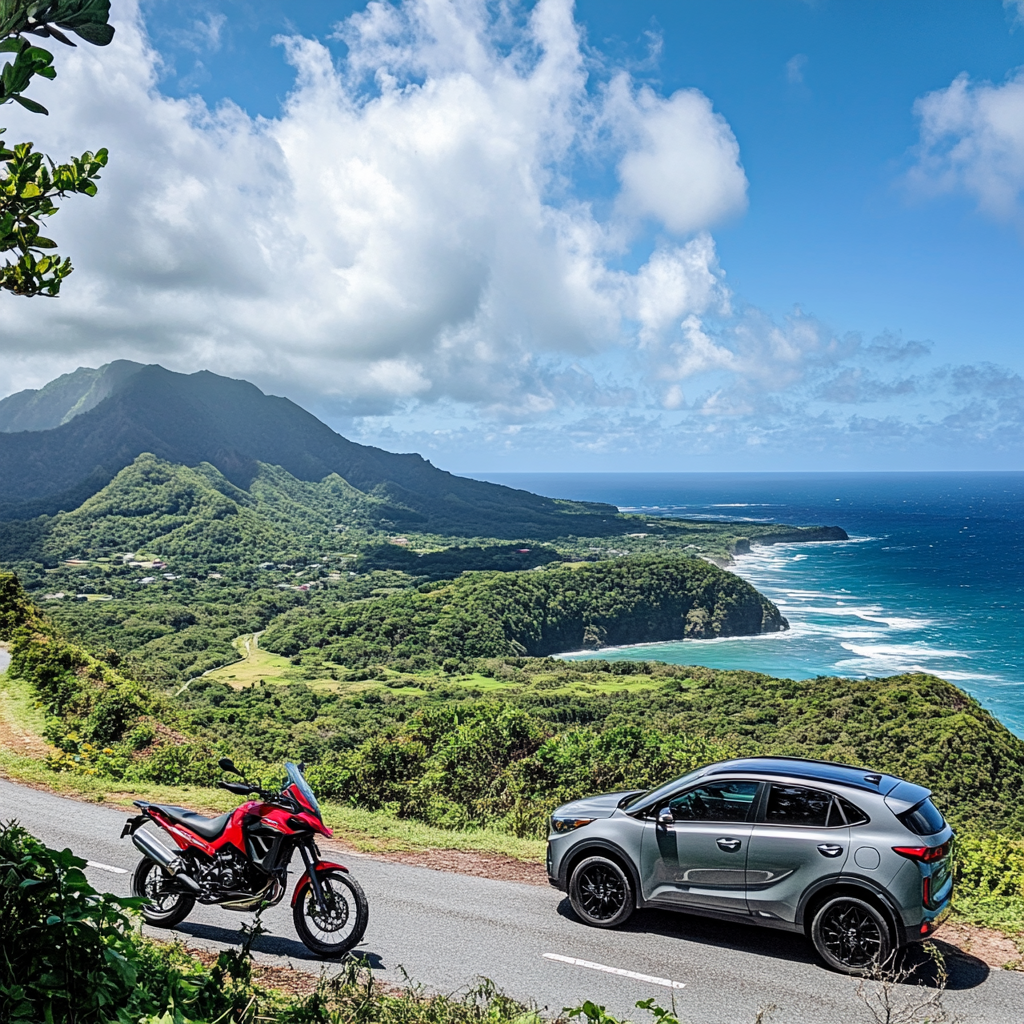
x,y
227,765
665,816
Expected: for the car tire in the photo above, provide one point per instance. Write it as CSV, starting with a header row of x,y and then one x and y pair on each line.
x,y
601,892
851,935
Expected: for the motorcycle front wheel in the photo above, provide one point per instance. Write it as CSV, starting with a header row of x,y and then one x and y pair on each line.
x,y
332,934
166,906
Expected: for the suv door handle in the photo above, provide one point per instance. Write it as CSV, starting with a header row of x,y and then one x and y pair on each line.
x,y
829,849
728,845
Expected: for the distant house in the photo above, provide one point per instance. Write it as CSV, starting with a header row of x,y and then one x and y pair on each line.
x,y
400,541
146,580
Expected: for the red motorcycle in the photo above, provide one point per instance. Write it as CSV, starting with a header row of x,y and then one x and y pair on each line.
x,y
239,861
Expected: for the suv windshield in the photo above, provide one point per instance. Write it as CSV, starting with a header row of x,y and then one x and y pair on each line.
x,y
295,779
662,792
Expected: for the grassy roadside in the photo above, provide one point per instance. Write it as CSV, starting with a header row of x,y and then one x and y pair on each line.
x,y
366,831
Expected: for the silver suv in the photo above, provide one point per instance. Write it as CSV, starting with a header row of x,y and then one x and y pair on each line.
x,y
859,861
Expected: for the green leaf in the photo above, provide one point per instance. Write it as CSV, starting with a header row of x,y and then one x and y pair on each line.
x,y
99,35
36,108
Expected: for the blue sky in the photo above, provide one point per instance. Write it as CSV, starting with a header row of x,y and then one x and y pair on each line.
x,y
698,234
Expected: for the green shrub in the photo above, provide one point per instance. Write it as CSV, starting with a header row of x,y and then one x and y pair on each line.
x,y
990,881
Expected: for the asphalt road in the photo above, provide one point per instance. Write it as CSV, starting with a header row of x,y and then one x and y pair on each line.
x,y
446,931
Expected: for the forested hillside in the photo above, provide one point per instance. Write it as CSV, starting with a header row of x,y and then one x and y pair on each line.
x,y
561,608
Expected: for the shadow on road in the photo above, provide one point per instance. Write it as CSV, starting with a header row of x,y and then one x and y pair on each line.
x,y
276,945
963,971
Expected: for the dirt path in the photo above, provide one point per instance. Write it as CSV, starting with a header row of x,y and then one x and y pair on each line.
x,y
13,736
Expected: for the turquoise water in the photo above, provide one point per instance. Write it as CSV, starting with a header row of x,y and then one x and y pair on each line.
x,y
932,579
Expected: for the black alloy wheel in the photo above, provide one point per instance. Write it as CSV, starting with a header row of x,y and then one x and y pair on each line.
x,y
167,906
851,935
601,893
334,933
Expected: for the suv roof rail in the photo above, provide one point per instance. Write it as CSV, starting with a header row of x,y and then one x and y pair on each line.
x,y
812,768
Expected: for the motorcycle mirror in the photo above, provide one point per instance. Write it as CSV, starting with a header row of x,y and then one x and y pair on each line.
x,y
227,765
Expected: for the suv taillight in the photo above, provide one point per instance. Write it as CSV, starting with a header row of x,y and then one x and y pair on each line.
x,y
923,853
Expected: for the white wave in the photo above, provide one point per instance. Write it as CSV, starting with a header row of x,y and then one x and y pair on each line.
x,y
902,651
667,644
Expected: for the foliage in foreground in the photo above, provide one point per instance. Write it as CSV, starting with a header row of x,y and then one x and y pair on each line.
x,y
31,181
73,955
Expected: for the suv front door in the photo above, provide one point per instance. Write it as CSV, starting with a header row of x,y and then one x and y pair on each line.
x,y
698,859
800,836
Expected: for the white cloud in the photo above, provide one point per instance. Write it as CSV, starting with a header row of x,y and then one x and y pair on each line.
x,y
678,139
972,141
795,69
406,228
1015,11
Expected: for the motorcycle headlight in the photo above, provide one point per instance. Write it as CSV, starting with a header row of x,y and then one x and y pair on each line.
x,y
562,825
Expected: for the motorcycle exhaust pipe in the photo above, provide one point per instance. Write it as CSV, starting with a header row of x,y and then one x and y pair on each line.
x,y
152,848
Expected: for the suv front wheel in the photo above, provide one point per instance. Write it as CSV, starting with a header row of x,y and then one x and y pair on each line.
x,y
601,893
851,935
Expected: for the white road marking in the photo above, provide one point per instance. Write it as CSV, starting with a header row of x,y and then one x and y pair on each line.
x,y
614,970
106,867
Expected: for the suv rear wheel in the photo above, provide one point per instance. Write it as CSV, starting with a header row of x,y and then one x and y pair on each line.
x,y
851,935
601,893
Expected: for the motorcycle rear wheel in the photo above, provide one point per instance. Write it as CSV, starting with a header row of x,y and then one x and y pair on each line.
x,y
342,928
166,908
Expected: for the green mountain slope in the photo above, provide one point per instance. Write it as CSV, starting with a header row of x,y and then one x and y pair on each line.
x,y
196,516
63,399
561,608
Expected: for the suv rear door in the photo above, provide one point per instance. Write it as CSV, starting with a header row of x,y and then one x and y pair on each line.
x,y
800,835
699,860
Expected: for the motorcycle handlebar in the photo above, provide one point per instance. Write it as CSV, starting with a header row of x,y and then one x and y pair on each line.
x,y
245,789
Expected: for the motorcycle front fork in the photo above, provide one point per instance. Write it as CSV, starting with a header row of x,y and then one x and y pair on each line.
x,y
310,859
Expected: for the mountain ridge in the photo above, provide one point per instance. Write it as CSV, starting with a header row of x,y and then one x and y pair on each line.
x,y
63,398
190,419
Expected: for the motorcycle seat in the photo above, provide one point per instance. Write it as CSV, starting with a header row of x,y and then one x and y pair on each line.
x,y
208,828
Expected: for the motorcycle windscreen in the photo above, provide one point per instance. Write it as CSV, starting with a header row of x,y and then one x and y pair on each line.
x,y
296,779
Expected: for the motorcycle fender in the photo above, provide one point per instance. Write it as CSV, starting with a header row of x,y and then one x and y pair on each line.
x,y
323,865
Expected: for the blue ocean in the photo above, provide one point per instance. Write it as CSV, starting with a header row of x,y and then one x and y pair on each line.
x,y
932,578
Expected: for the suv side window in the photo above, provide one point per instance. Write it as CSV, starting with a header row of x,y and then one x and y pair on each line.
x,y
854,815
797,805
715,801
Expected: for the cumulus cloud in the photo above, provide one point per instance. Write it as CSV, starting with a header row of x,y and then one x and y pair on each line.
x,y
408,228
678,137
972,142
